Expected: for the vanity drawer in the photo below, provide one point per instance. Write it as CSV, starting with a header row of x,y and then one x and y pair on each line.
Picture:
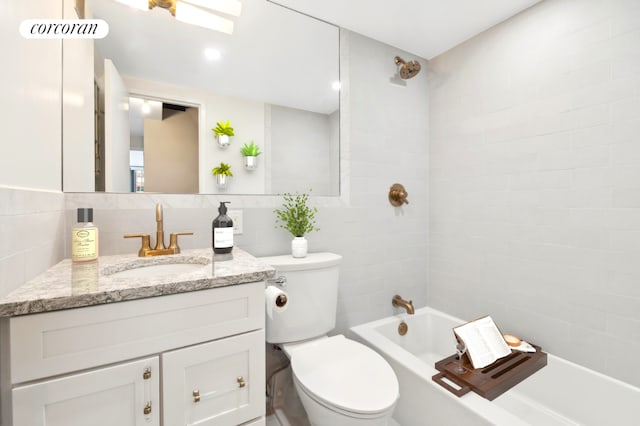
x,y
53,343
217,383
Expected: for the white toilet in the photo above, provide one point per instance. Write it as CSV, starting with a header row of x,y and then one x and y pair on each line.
x,y
340,382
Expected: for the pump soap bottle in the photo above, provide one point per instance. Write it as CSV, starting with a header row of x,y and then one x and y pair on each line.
x,y
84,237
222,231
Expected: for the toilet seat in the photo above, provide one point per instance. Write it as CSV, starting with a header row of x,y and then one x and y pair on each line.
x,y
345,376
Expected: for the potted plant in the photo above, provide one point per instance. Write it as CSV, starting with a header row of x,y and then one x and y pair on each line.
x,y
297,218
223,131
222,174
250,153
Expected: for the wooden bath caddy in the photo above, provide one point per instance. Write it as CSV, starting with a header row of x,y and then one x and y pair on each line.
x,y
493,380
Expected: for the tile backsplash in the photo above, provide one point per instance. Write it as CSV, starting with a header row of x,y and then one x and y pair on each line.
x,y
32,234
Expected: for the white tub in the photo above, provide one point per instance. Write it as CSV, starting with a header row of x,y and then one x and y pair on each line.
x,y
562,393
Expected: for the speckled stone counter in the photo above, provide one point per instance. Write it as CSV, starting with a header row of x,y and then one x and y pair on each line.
x,y
73,285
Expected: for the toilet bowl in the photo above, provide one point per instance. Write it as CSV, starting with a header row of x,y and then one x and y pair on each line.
x,y
340,382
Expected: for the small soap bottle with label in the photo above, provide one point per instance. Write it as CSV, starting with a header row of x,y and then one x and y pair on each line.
x,y
84,237
222,231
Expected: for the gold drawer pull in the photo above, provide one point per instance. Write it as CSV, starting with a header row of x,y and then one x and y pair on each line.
x,y
147,408
196,395
241,382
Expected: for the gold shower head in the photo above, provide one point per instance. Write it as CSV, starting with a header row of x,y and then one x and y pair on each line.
x,y
407,70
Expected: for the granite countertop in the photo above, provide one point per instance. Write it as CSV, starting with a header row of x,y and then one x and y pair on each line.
x,y
73,285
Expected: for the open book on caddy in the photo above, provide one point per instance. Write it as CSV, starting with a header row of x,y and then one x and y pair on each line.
x,y
483,340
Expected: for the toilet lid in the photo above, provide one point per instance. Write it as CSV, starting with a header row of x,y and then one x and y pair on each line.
x,y
347,375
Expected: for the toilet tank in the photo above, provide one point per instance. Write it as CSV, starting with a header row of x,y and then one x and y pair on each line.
x,y
312,290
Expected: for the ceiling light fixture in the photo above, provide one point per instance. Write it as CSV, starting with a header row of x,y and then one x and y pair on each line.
x,y
191,11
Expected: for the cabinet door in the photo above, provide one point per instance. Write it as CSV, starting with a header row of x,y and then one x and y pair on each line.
x,y
108,396
217,383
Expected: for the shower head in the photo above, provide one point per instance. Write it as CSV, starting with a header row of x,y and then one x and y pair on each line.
x,y
407,70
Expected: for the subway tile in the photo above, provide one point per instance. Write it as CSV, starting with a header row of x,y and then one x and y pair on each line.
x,y
597,178
627,241
626,154
625,109
626,198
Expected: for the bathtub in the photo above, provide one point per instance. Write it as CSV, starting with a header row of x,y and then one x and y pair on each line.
x,y
562,393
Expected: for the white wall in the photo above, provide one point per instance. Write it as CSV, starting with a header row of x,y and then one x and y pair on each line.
x,y
31,221
30,152
78,162
296,135
384,248
117,131
535,180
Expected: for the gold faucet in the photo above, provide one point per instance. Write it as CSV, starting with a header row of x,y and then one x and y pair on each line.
x,y
160,248
399,302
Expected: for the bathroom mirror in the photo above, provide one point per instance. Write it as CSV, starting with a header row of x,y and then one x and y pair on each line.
x,y
276,78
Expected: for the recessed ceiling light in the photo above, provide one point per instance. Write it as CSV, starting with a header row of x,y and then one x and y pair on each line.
x,y
212,54
335,85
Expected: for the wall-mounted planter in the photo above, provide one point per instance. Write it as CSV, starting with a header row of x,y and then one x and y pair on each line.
x,y
222,181
251,162
223,141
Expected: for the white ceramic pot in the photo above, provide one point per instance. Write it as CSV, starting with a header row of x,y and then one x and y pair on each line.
x,y
223,141
251,162
299,247
222,181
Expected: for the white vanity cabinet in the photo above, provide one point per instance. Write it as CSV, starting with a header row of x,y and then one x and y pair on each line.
x,y
182,359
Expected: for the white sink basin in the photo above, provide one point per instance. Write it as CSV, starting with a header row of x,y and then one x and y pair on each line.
x,y
142,270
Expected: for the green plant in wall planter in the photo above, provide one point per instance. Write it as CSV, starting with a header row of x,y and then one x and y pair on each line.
x,y
223,131
299,219
222,174
250,153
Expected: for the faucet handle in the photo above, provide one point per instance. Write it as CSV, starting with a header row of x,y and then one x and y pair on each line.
x,y
173,240
146,243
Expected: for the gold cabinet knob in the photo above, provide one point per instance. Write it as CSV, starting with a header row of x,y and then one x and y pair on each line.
x,y
147,408
241,382
196,395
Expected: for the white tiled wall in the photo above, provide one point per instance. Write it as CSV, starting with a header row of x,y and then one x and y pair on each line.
x,y
31,234
535,180
385,137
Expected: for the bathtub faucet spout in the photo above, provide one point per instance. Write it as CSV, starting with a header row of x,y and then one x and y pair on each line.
x,y
399,302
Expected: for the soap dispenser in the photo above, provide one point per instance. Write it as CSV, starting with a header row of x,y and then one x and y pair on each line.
x,y
222,231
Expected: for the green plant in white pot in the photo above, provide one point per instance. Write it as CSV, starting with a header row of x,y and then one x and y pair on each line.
x,y
299,219
222,174
250,153
223,132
